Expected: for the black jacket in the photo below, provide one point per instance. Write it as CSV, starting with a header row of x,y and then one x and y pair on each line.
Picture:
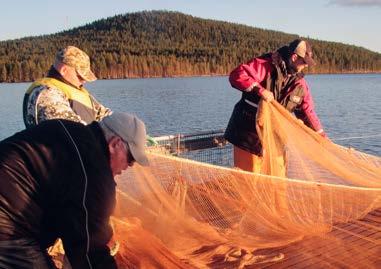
x,y
46,193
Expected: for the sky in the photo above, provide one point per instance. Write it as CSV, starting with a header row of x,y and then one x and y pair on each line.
x,y
355,22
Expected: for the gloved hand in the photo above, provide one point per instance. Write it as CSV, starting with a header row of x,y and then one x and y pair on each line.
x,y
151,141
267,95
322,133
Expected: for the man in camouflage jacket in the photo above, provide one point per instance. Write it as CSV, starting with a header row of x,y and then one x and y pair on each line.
x,y
61,94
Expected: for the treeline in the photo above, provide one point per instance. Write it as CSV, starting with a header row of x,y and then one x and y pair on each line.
x,y
163,44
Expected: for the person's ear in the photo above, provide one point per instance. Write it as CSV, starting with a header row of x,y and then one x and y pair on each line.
x,y
113,144
294,57
64,70
61,68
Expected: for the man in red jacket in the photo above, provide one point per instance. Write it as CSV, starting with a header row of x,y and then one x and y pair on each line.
x,y
278,76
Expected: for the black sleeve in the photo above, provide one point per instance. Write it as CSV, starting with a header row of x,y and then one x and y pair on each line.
x,y
86,244
85,228
88,202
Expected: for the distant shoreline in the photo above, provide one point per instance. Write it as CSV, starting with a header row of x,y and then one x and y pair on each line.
x,y
159,43
216,75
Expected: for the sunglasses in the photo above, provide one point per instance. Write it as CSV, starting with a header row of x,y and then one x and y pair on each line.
x,y
302,60
79,77
130,159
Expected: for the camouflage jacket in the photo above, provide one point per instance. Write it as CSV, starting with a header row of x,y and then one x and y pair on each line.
x,y
49,101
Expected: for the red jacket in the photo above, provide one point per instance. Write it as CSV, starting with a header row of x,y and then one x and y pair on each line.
x,y
255,73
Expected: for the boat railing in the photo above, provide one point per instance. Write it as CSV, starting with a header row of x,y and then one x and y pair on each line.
x,y
211,146
207,146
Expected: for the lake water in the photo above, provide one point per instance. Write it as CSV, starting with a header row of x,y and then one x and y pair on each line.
x,y
348,105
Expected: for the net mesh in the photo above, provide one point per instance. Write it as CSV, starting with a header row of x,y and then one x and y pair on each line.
x,y
315,204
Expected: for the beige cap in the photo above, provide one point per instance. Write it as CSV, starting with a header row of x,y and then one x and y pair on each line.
x,y
303,49
132,130
74,57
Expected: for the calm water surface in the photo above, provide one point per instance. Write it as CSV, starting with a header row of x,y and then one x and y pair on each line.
x,y
348,105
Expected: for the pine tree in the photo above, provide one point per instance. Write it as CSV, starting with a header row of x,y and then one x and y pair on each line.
x,y
161,43
3,73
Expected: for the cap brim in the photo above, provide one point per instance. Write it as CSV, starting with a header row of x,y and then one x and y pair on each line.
x,y
139,154
88,75
309,60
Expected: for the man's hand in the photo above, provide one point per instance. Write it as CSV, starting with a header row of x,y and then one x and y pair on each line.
x,y
322,133
267,95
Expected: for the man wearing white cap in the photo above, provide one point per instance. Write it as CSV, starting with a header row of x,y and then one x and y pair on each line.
x,y
57,181
61,94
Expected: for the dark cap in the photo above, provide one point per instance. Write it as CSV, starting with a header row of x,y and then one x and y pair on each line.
x,y
303,49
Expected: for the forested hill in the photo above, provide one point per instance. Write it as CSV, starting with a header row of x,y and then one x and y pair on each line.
x,y
162,43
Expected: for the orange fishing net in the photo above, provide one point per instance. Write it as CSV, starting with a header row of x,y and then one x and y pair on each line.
x,y
315,204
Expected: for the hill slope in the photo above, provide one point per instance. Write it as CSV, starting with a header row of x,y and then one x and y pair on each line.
x,y
162,43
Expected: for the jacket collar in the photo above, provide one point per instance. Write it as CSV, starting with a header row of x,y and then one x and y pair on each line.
x,y
53,73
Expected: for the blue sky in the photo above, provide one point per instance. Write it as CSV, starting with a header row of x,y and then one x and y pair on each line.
x,y
354,22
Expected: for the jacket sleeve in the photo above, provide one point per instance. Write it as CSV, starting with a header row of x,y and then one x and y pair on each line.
x,y
84,244
85,228
250,75
306,111
102,111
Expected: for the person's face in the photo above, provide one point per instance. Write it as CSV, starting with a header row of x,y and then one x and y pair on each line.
x,y
120,155
71,75
297,63
76,79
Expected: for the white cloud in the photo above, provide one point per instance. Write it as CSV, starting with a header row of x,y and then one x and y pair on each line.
x,y
356,2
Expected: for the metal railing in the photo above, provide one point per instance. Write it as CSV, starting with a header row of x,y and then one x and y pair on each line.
x,y
210,147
